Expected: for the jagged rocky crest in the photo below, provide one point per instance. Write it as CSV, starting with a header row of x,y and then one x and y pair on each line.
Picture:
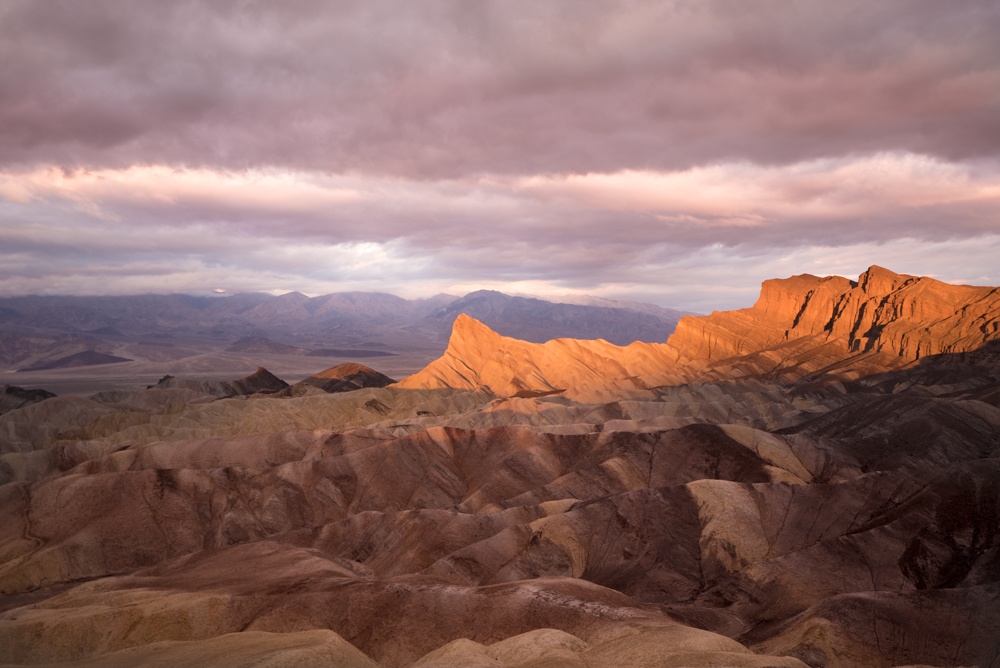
x,y
894,318
799,326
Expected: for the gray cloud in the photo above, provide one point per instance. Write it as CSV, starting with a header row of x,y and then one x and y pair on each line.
x,y
678,152
452,88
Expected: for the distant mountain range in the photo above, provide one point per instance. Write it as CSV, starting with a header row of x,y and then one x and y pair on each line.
x,y
537,320
36,331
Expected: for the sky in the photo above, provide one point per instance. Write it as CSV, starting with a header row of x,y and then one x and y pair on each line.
x,y
675,152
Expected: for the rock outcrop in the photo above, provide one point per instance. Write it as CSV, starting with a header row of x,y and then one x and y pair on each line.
x,y
477,358
345,377
884,320
799,327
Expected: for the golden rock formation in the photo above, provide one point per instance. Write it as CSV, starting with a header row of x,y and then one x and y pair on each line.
x,y
478,358
799,326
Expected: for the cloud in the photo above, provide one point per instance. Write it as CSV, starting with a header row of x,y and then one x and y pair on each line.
x,y
832,201
671,151
448,89
634,232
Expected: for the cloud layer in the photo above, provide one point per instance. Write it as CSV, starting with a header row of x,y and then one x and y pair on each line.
x,y
674,152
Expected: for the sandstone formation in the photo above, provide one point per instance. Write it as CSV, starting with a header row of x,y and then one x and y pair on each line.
x,y
805,324
725,510
800,326
478,358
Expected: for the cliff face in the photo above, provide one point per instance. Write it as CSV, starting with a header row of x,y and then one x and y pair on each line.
x,y
478,358
799,326
891,319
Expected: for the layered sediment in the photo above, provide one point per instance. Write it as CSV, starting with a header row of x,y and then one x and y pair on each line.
x,y
798,327
812,481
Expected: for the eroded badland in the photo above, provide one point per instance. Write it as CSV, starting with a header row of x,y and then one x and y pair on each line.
x,y
811,481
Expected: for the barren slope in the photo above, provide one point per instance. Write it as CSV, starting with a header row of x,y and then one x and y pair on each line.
x,y
742,520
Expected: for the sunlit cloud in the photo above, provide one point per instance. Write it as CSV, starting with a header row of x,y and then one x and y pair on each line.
x,y
668,151
654,235
746,195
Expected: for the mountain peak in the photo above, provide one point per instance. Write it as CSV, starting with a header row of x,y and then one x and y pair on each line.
x,y
478,358
466,323
466,330
879,280
799,326
344,370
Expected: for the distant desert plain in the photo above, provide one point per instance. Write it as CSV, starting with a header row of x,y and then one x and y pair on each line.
x,y
491,480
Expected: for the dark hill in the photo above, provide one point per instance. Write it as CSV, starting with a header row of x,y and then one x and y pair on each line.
x,y
348,352
85,358
261,381
263,345
12,397
346,378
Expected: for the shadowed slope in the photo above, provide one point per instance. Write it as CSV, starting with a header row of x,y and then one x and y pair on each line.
x,y
488,534
85,358
260,380
343,378
12,397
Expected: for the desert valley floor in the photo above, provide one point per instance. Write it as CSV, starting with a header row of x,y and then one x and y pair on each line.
x,y
813,481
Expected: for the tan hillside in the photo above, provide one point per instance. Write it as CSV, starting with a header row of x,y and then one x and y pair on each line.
x,y
478,358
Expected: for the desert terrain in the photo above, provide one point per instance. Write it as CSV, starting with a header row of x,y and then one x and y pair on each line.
x,y
812,481
80,346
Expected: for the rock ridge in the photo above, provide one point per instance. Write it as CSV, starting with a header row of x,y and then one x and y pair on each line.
x,y
899,315
800,326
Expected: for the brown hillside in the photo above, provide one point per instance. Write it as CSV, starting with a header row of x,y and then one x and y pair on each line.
x,y
733,518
